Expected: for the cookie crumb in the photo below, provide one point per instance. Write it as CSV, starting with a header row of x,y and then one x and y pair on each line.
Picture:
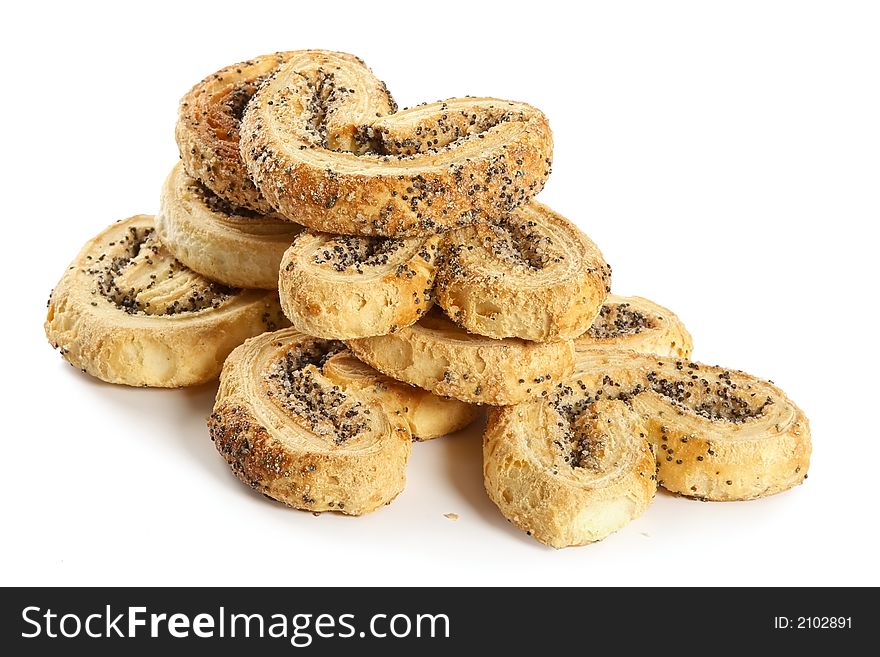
x,y
451,516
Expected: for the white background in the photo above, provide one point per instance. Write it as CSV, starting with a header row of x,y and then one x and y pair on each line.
x,y
725,157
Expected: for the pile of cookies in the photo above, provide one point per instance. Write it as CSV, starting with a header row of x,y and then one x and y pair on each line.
x,y
366,276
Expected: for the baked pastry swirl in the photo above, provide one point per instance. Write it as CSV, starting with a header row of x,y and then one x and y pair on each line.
x,y
427,415
565,477
321,144
719,434
580,462
438,355
289,432
126,311
343,286
233,246
207,129
638,324
530,274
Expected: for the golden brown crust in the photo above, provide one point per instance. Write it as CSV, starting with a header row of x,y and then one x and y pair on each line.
x,y
319,145
719,434
568,480
127,312
440,356
292,434
428,415
207,129
531,274
640,325
344,287
233,246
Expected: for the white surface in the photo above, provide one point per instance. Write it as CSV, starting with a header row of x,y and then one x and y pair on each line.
x,y
726,160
